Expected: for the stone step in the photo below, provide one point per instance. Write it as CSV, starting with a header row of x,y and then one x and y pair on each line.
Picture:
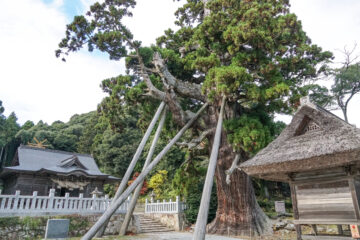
x,y
149,225
155,230
146,222
152,226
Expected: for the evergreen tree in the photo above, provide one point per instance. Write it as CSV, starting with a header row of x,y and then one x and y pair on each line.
x,y
252,51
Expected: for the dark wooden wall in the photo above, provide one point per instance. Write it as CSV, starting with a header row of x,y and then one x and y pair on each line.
x,y
27,183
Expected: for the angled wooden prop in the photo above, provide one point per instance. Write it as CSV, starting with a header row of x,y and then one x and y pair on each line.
x,y
110,211
133,162
200,228
136,194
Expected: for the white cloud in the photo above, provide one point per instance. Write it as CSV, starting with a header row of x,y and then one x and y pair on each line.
x,y
36,85
33,82
332,24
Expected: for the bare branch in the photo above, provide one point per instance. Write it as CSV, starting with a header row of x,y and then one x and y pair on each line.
x,y
348,55
232,168
196,141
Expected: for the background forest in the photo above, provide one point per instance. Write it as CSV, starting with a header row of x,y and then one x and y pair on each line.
x,y
112,138
112,133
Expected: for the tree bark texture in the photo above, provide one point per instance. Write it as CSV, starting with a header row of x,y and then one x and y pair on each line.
x,y
238,212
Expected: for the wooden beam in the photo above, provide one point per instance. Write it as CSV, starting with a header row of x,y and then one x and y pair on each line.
x,y
136,194
110,211
354,197
322,180
200,228
327,222
125,179
340,230
327,237
295,209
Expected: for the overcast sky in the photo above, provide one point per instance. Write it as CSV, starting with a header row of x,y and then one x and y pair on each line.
x,y
38,86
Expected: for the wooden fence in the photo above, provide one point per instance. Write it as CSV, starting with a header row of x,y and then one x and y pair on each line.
x,y
164,206
18,205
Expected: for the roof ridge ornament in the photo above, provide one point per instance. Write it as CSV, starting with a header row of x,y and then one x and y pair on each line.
x,y
72,161
305,101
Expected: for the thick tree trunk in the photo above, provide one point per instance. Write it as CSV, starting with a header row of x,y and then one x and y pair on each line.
x,y
238,212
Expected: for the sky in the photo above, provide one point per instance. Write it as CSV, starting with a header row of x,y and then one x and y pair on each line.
x,y
37,86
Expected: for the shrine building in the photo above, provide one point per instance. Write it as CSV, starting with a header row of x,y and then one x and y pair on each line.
x,y
37,169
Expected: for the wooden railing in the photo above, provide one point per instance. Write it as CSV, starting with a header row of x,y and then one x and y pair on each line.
x,y
164,206
20,205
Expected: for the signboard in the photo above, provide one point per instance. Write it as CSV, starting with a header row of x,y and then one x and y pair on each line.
x,y
355,231
57,229
280,207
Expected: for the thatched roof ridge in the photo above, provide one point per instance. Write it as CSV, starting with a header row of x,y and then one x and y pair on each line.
x,y
330,142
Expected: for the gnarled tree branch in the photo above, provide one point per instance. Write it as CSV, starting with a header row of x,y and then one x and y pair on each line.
x,y
196,141
151,88
184,89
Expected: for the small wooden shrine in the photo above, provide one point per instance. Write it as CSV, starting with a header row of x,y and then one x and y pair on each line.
x,y
318,154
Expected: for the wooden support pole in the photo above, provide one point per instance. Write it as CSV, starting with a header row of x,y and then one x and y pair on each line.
x,y
125,179
110,211
340,230
200,228
136,194
295,210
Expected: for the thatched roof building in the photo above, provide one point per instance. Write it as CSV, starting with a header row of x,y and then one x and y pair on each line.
x,y
319,155
315,139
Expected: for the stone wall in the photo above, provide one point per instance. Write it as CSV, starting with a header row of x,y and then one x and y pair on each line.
x,y
16,228
175,221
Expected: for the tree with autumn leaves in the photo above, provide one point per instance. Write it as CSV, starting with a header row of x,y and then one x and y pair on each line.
x,y
253,52
144,188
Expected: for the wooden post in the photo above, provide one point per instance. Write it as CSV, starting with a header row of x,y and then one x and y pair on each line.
x,y
340,230
133,162
200,228
295,210
354,197
314,228
136,194
110,211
